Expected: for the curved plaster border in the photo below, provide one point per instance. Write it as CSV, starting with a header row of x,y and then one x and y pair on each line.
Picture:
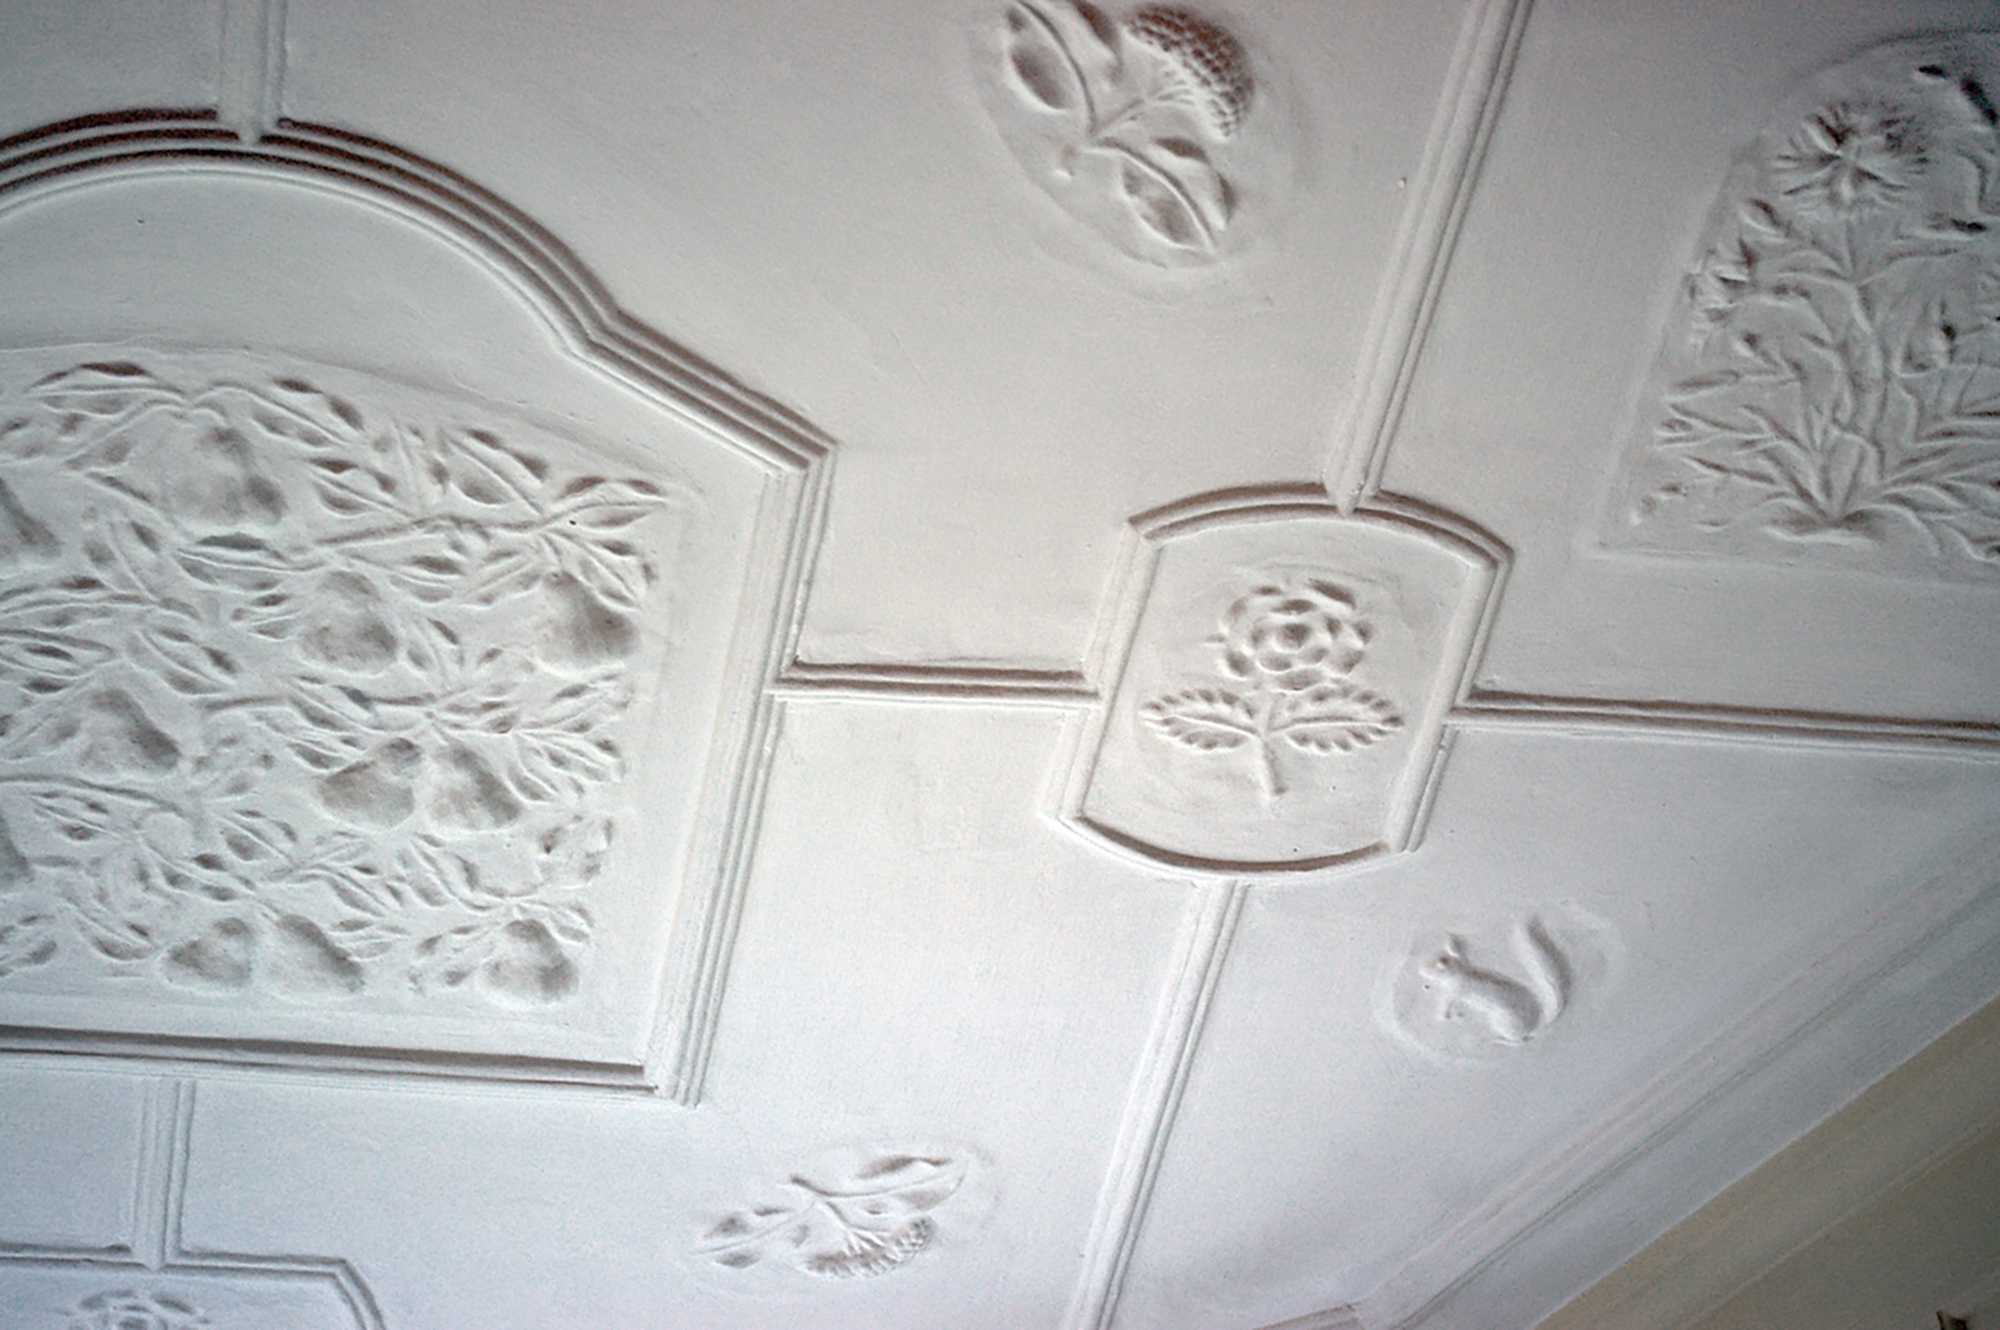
x,y
154,1279
789,457
1278,676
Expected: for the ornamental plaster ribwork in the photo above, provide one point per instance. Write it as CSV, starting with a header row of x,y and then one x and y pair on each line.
x,y
598,797
152,1280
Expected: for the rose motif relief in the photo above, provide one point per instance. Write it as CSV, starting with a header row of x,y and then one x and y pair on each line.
x,y
1286,649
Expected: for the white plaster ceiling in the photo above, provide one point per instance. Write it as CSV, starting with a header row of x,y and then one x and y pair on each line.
x,y
977,664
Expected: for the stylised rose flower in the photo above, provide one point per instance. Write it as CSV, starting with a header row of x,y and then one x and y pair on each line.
x,y
1850,156
128,1310
1292,637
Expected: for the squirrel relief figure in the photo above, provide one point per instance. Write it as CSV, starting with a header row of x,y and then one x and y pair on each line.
x,y
1511,1010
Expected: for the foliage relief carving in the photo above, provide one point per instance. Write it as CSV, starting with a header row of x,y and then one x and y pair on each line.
x,y
1286,649
127,1309
303,696
1835,376
869,1218
1138,118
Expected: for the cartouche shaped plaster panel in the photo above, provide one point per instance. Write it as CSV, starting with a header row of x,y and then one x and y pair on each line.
x,y
379,692
1281,679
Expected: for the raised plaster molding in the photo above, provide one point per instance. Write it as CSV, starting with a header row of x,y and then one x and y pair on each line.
x,y
1828,389
249,97
1467,993
1439,194
849,1214
1278,682
1208,927
1912,1121
222,473
1151,128
1487,709
1956,909
153,1281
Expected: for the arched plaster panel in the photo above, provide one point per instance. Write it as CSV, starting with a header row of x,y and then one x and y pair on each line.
x,y
1542,432
1828,389
385,616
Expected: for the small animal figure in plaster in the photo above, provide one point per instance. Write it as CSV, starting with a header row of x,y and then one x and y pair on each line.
x,y
1511,1010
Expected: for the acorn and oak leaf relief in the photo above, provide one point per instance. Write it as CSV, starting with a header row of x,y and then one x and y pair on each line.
x,y
298,696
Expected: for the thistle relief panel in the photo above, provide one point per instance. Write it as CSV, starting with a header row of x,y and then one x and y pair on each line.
x,y
1150,128
1287,676
1829,386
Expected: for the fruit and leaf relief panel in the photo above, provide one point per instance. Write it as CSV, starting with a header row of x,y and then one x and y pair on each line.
x,y
309,693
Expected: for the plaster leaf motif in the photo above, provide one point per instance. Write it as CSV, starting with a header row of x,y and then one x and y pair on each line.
x,y
1829,389
306,695
1136,125
867,1218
